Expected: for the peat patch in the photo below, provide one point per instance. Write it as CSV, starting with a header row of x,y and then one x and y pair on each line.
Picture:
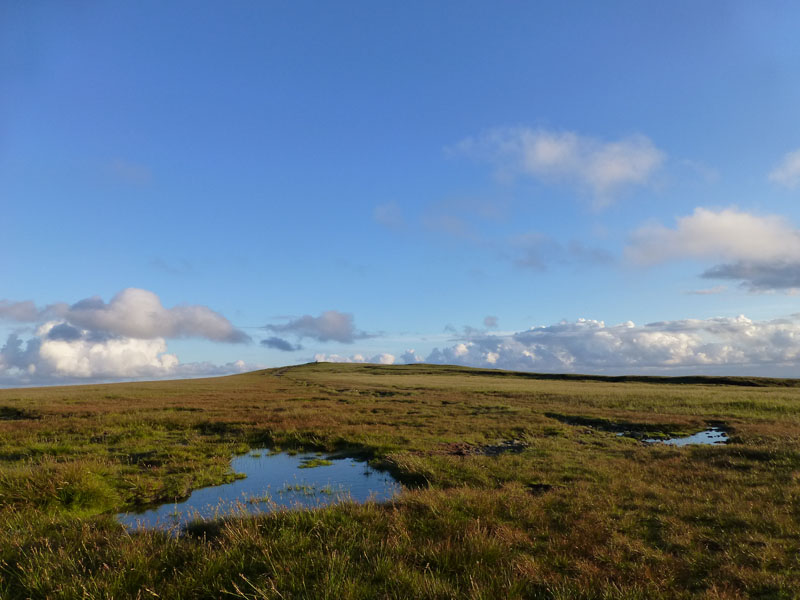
x,y
650,433
12,413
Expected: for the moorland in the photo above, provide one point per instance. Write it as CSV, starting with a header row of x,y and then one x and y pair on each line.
x,y
517,485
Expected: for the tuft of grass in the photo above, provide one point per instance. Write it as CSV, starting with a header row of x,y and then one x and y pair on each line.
x,y
310,463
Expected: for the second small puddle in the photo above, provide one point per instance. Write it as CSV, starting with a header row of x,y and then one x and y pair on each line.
x,y
273,481
713,436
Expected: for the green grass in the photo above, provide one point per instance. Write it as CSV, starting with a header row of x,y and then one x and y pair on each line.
x,y
311,463
575,511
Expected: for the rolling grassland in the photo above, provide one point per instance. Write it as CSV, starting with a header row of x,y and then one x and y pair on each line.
x,y
517,486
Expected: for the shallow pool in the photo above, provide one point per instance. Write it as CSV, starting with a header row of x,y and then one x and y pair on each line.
x,y
712,436
273,482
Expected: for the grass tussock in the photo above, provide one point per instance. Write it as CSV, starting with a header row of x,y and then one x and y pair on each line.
x,y
520,487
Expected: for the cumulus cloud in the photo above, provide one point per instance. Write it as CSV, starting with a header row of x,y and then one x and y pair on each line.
x,y
410,357
62,353
787,173
133,313
383,359
92,340
602,167
331,325
763,252
701,345
77,355
490,321
280,344
139,314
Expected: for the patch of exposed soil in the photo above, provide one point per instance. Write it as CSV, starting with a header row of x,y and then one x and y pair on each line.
x,y
11,413
467,449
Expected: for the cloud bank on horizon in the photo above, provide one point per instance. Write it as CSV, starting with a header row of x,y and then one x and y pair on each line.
x,y
125,338
587,346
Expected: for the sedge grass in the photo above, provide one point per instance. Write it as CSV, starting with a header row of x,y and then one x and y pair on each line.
x,y
577,512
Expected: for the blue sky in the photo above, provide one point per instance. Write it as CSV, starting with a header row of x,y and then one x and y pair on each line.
x,y
199,187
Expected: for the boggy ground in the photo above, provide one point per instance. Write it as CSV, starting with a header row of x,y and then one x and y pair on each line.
x,y
521,487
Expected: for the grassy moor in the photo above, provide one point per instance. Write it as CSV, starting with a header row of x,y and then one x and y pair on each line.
x,y
516,486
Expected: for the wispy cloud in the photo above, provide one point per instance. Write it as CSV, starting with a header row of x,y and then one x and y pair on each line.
x,y
717,289
537,251
389,215
603,167
787,172
179,267
130,172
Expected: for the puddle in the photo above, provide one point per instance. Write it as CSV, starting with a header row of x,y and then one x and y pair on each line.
x,y
712,436
274,481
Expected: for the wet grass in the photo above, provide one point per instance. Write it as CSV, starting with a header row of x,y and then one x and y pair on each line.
x,y
571,511
315,462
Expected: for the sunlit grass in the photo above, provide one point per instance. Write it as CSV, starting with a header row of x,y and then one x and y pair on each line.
x,y
575,511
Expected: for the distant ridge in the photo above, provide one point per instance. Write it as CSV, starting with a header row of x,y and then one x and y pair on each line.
x,y
425,368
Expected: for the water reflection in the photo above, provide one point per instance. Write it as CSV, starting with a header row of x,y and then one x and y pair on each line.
x,y
274,481
712,436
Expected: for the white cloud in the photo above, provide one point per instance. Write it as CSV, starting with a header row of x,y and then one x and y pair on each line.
x,y
115,357
61,353
139,313
787,173
382,359
720,345
133,313
410,357
592,346
727,234
331,325
602,167
761,251
92,340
